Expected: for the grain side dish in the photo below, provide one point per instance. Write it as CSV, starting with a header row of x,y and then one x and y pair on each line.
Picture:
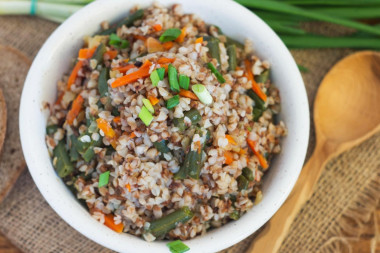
x,y
165,126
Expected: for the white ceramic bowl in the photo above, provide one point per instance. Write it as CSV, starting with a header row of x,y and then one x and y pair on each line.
x,y
53,61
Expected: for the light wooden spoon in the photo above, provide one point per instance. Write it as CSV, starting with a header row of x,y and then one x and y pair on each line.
x,y
346,112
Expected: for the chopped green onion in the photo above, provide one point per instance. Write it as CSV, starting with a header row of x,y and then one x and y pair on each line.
x,y
148,105
216,73
172,102
302,68
184,82
177,247
235,215
170,34
231,52
161,73
173,79
161,146
202,93
242,183
99,52
145,116
103,179
248,174
117,42
155,78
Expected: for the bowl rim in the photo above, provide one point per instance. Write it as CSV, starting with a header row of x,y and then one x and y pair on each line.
x,y
104,236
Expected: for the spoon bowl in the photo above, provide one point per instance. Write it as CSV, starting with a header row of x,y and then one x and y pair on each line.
x,y
346,112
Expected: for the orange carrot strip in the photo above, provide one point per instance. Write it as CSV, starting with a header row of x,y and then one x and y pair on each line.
x,y
167,45
198,146
132,135
153,100
153,45
263,162
106,128
75,109
229,157
128,186
111,54
117,119
140,37
110,222
142,72
242,151
255,86
165,66
188,94
199,40
124,68
164,60
230,139
74,74
86,53
59,99
182,36
157,27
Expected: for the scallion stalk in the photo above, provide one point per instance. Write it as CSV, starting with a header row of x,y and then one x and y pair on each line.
x,y
202,93
145,116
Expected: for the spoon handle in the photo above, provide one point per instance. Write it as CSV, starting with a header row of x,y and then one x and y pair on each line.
x,y
274,232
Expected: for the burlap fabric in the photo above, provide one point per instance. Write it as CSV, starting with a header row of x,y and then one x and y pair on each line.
x,y
346,193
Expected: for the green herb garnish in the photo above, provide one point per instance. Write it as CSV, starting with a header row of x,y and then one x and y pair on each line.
x,y
170,34
103,179
173,102
216,73
145,116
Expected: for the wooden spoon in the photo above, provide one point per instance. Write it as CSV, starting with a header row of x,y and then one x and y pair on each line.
x,y
346,112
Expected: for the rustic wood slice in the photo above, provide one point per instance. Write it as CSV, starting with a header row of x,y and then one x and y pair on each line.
x,y
3,119
13,70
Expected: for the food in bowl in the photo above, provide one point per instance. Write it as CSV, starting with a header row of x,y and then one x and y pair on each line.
x,y
165,126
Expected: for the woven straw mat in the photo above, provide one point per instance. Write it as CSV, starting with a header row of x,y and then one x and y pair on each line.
x,y
348,185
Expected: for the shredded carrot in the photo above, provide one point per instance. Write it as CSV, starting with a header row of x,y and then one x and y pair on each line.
x,y
142,72
188,94
111,54
164,60
117,119
153,100
106,128
59,99
74,74
110,222
243,151
199,40
75,109
128,186
126,60
167,45
182,36
153,45
157,27
263,162
255,86
124,68
229,157
86,53
132,135
140,37
230,139
197,145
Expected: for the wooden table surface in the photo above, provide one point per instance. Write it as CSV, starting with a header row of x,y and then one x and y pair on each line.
x,y
363,245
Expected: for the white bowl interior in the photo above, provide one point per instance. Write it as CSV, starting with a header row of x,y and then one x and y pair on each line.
x,y
54,60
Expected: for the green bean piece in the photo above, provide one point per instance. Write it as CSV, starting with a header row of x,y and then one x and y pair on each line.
x,y
107,31
231,51
257,114
217,74
173,78
180,123
242,183
81,147
213,47
102,82
89,154
193,164
263,77
235,215
248,174
51,129
74,155
161,146
63,164
259,103
93,127
163,225
194,115
128,22
231,41
99,52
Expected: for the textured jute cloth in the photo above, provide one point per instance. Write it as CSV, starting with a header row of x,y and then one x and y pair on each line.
x,y
347,192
